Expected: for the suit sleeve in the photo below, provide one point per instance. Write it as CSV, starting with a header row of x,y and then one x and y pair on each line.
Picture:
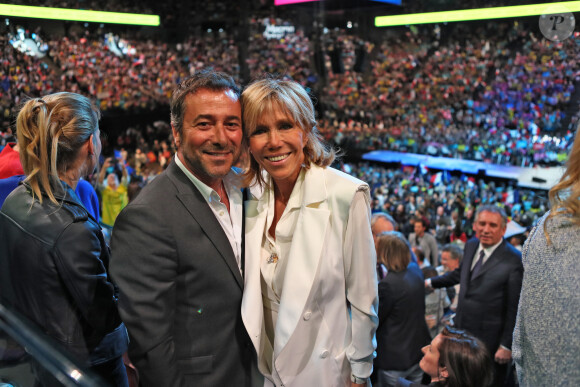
x,y
144,266
77,256
361,285
448,279
514,287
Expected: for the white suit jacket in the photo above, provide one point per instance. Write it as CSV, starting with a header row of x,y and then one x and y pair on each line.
x,y
328,308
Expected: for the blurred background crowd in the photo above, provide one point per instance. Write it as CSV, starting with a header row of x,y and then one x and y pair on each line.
x,y
493,91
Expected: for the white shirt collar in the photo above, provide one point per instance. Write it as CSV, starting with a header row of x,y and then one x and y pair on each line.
x,y
488,250
230,181
230,221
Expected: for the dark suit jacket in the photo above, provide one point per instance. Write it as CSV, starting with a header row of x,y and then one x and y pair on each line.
x,y
181,288
402,330
488,303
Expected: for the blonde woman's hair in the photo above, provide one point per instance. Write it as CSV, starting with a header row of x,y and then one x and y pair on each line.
x,y
263,97
393,251
50,132
565,196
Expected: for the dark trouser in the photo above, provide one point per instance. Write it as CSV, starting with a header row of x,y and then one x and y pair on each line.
x,y
113,372
504,375
499,374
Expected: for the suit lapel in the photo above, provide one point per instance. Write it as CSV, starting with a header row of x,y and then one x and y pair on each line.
x,y
492,261
199,209
304,258
467,262
252,306
245,193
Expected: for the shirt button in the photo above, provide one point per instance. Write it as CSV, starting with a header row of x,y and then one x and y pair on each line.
x,y
307,315
324,354
221,213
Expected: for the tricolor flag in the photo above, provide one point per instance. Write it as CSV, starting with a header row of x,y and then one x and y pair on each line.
x,y
436,178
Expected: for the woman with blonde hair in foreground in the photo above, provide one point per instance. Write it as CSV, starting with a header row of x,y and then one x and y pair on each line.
x,y
547,333
310,296
53,256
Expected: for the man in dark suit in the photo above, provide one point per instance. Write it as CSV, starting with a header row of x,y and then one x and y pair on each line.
x,y
490,276
177,249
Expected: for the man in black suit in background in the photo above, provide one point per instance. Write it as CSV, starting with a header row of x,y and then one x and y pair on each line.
x,y
490,276
177,249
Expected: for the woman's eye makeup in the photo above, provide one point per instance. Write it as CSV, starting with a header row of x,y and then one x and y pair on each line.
x,y
284,125
258,131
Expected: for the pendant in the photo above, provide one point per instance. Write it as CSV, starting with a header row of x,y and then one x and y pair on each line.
x,y
273,258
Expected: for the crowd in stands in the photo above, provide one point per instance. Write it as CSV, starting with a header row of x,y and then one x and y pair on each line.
x,y
290,55
408,194
488,99
405,192
488,95
498,95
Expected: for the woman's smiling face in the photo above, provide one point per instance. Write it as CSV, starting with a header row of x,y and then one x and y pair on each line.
x,y
277,144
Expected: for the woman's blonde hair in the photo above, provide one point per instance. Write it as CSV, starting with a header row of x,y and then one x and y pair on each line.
x,y
264,96
50,132
393,251
565,196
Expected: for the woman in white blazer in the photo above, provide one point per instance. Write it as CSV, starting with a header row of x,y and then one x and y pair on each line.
x,y
310,297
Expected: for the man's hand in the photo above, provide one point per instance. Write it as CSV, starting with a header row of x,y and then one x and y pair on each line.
x,y
503,356
431,320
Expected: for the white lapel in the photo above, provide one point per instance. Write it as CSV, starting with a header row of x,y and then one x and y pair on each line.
x,y
252,308
304,257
